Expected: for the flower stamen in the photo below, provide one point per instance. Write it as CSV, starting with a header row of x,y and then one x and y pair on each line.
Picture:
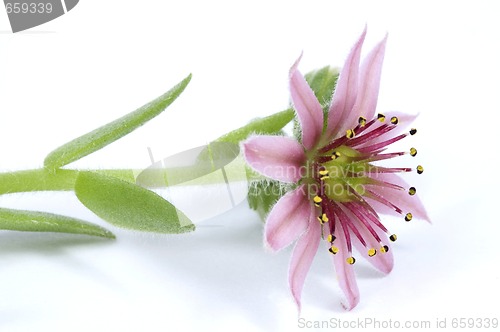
x,y
382,156
377,132
377,147
382,200
362,218
335,155
378,169
362,121
317,200
361,128
334,250
350,133
323,219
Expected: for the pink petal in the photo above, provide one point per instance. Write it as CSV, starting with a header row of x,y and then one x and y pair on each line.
x,y
346,89
278,157
400,198
302,257
384,262
307,106
345,271
366,101
288,219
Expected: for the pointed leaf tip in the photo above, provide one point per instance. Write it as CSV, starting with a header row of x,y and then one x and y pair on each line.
x,y
272,124
107,134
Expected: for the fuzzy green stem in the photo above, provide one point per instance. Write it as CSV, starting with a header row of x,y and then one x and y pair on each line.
x,y
42,179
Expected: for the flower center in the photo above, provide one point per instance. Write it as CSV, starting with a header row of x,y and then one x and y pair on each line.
x,y
345,176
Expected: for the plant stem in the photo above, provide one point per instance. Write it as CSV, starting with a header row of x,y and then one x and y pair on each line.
x,y
42,179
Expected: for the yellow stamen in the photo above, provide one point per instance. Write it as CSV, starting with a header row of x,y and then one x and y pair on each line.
x,y
317,200
408,216
334,250
349,133
372,252
335,155
362,121
384,249
394,120
330,238
323,172
323,219
412,191
413,152
350,260
393,237
381,117
420,169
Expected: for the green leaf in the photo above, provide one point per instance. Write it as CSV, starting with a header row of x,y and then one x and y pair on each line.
x,y
269,125
34,221
100,137
128,205
262,195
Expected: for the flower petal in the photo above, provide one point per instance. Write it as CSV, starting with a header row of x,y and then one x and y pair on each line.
x,y
302,257
288,219
345,271
346,89
278,157
307,106
400,198
370,72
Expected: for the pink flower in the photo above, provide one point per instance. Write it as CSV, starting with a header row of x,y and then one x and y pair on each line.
x,y
339,189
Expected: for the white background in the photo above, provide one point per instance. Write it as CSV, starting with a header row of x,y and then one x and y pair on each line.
x,y
105,58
